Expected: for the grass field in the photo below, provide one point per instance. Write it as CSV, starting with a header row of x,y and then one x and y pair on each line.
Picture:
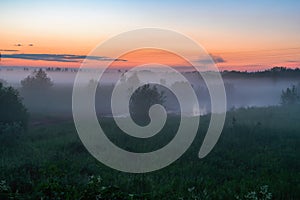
x,y
257,157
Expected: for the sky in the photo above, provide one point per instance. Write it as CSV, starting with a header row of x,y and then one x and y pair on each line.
x,y
239,35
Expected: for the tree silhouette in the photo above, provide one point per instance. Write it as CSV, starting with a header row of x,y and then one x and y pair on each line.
x,y
141,101
12,110
4,82
38,80
290,96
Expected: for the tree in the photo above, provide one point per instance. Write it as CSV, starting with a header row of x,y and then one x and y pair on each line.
x,y
4,82
92,83
37,80
290,96
163,81
132,81
12,111
141,101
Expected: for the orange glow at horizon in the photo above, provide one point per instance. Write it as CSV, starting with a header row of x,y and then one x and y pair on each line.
x,y
236,60
150,56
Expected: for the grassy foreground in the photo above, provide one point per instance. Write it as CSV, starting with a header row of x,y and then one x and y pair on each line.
x,y
257,157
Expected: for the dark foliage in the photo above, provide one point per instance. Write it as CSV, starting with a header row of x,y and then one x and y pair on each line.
x,y
13,114
275,72
290,96
4,82
38,80
141,101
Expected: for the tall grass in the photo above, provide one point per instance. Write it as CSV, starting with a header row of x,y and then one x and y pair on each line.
x,y
257,157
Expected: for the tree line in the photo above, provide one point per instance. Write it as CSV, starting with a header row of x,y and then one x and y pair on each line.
x,y
14,116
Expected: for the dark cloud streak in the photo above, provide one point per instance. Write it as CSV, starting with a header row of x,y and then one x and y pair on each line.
x,y
293,61
9,50
215,58
59,57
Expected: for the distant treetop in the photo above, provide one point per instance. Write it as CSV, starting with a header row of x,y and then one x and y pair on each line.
x,y
274,72
37,80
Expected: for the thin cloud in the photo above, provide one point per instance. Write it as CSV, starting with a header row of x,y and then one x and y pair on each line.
x,y
215,58
9,50
59,57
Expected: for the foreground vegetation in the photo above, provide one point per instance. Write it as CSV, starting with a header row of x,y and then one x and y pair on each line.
x,y
257,157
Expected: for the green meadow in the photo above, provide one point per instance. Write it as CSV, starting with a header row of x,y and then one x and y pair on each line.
x,y
256,157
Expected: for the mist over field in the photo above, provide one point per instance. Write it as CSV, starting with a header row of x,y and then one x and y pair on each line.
x,y
241,91
258,145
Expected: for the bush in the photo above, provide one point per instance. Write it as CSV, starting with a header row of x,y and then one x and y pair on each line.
x,y
262,194
13,114
4,82
11,128
290,96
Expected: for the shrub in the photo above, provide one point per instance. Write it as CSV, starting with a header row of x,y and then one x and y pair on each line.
x,y
11,128
290,96
4,82
262,194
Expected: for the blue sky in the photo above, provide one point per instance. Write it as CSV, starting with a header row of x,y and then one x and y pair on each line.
x,y
219,26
